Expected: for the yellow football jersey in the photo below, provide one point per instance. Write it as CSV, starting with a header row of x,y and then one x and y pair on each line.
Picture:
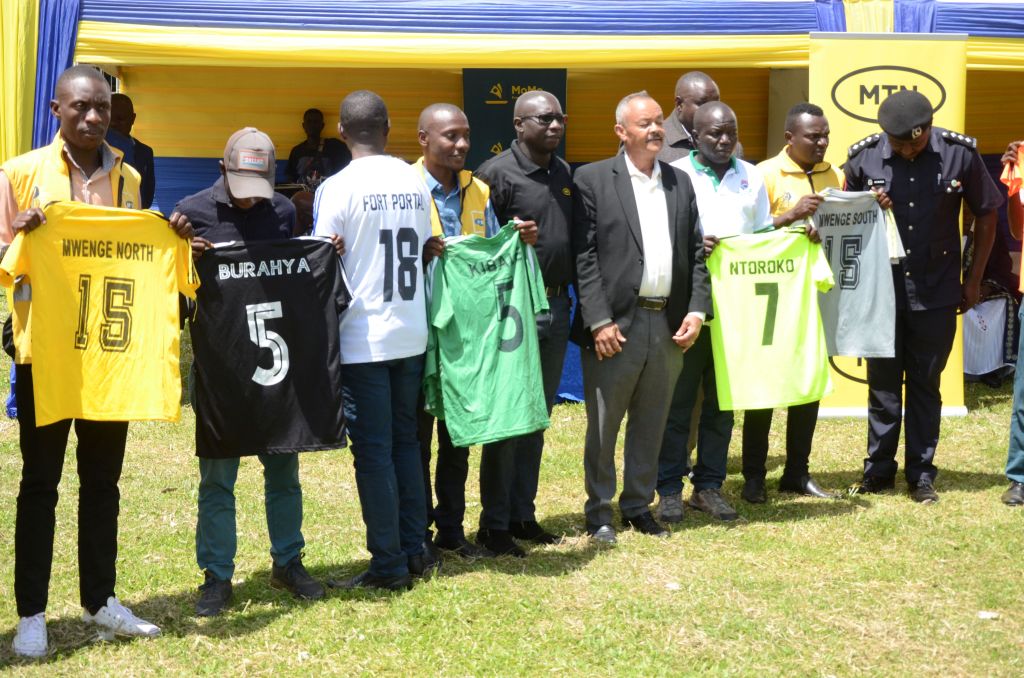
x,y
103,320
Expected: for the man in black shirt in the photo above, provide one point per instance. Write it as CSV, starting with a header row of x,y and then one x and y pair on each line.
x,y
316,158
529,182
242,205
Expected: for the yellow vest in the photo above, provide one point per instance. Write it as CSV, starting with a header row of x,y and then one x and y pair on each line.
x,y
38,178
473,195
41,176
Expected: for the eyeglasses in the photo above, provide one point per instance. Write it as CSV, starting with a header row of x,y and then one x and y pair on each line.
x,y
547,118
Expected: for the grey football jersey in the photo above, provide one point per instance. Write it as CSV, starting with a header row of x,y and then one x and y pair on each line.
x,y
859,313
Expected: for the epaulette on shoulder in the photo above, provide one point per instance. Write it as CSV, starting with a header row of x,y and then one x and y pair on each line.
x,y
956,138
866,142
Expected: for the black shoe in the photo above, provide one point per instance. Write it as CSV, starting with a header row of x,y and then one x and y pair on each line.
x,y
806,486
294,578
1014,495
426,564
754,491
530,530
499,542
874,485
645,524
462,547
923,492
603,534
365,580
214,597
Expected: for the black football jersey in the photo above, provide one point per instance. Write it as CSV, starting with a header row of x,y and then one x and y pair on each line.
x,y
265,336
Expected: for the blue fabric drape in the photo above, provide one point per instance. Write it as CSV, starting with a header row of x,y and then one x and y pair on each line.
x,y
914,16
58,31
831,16
570,17
991,19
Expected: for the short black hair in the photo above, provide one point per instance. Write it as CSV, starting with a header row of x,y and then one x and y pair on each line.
x,y
363,116
75,72
803,108
310,111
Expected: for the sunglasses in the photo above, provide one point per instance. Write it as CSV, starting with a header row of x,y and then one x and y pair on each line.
x,y
547,118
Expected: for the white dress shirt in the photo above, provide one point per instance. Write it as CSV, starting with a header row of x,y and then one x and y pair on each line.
x,y
652,211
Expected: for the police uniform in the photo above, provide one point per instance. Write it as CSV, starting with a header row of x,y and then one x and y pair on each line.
x,y
926,195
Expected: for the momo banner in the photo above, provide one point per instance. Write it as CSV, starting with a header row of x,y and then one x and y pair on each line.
x,y
850,75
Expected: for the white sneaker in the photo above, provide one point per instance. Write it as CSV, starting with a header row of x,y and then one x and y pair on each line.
x,y
30,640
116,619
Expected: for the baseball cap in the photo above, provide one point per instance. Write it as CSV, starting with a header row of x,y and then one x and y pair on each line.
x,y
249,164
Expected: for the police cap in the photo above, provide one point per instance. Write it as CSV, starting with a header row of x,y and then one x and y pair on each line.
x,y
905,114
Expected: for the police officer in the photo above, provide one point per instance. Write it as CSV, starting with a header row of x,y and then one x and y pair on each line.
x,y
925,173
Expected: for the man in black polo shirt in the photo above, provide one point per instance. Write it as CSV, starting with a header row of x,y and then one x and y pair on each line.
x,y
529,182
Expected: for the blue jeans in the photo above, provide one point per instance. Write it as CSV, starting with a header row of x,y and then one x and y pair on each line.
x,y
380,409
1015,458
216,536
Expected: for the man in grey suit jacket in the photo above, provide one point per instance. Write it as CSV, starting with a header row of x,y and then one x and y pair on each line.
x,y
643,295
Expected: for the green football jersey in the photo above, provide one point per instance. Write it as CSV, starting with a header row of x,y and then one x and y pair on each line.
x,y
483,372
767,339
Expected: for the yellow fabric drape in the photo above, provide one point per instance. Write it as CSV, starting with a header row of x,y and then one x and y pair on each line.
x,y
19,29
868,16
995,54
111,43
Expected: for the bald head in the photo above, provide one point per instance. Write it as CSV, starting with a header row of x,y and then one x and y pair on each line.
x,y
75,73
715,134
444,138
527,103
693,90
712,113
436,114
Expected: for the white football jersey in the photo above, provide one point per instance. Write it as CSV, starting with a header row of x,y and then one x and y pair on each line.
x,y
381,207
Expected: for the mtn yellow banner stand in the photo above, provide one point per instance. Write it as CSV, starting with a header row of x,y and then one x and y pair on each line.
x,y
850,75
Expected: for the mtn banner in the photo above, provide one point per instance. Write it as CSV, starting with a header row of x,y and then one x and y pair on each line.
x,y
850,75
489,97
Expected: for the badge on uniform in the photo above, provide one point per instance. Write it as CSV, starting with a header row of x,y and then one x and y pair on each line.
x,y
872,183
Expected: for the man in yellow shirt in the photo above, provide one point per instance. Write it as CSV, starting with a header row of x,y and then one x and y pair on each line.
x,y
793,179
80,166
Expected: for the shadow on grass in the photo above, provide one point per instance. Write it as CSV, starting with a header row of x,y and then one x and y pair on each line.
x,y
979,396
254,605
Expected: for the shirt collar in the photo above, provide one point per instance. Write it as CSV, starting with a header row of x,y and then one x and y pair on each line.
x,y
707,170
108,159
525,162
635,173
789,166
933,143
220,192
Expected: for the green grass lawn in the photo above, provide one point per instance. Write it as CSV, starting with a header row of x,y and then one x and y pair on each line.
x,y
865,586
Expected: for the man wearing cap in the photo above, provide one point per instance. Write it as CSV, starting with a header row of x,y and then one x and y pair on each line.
x,y
242,205
926,173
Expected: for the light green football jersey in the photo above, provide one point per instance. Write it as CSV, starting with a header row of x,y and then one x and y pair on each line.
x,y
769,348
483,372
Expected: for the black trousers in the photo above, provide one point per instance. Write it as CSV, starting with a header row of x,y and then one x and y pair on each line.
x,y
450,478
800,423
100,454
923,342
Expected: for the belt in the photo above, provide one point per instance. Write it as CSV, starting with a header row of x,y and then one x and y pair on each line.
x,y
556,290
652,303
